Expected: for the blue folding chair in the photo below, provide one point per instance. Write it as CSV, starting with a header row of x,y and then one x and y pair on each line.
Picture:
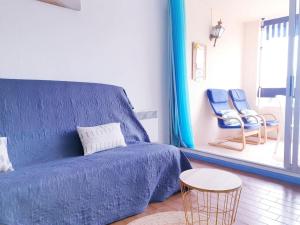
x,y
239,100
218,99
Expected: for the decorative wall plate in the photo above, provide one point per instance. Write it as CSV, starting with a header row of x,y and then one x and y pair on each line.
x,y
71,4
198,61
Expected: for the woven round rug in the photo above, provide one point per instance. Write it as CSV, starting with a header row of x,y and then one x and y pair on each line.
x,y
163,218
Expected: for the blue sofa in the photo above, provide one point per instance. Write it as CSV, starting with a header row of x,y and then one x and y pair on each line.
x,y
53,183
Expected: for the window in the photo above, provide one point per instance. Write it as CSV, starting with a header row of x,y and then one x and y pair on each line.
x,y
274,60
274,57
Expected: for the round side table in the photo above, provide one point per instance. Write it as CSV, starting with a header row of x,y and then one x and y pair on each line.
x,y
210,196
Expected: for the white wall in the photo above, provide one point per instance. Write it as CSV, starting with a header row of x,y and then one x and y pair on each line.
x,y
116,42
251,60
224,63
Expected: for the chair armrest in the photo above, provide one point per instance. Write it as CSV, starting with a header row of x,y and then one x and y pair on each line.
x,y
263,119
269,114
255,117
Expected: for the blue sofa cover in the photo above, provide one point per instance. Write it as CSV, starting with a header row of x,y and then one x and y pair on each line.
x,y
52,182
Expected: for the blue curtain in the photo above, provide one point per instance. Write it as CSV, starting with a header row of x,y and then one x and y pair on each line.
x,y
181,129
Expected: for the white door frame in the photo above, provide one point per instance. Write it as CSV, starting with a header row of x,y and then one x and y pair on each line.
x,y
292,110
295,147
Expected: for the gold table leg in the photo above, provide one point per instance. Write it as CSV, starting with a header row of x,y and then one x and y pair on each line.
x,y
210,208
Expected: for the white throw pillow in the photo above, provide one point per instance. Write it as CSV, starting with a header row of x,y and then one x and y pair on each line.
x,y
5,164
102,137
228,114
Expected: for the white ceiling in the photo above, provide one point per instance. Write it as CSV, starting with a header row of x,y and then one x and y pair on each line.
x,y
247,10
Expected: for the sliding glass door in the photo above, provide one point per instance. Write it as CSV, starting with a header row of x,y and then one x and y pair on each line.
x,y
295,147
292,116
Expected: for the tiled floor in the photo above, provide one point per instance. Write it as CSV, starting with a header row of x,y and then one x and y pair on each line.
x,y
270,153
263,201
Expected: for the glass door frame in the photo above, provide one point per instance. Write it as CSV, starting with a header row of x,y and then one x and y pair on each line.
x,y
292,110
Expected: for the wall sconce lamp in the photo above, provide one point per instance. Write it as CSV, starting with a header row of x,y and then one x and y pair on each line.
x,y
216,32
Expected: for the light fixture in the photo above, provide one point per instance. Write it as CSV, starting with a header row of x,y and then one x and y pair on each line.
x,y
216,32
